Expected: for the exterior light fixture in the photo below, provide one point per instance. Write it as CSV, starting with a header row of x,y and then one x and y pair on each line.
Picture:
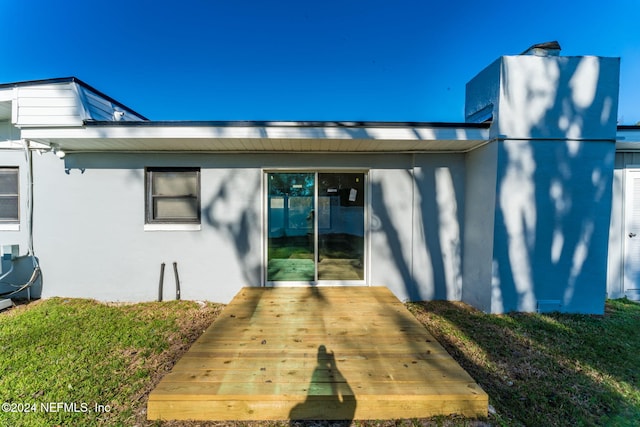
x,y
55,149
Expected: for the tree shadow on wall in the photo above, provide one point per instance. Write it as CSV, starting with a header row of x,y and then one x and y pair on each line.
x,y
555,202
230,211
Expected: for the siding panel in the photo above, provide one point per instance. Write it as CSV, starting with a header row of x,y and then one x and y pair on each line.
x,y
50,105
99,108
102,109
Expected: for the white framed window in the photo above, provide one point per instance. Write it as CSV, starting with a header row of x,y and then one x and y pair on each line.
x,y
9,197
172,198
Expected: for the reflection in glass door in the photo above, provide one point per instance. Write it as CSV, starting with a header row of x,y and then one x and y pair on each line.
x,y
340,226
290,210
316,226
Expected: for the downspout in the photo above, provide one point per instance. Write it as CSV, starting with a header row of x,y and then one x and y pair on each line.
x,y
31,251
413,216
29,159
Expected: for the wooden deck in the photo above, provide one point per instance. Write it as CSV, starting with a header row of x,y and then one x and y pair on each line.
x,y
333,353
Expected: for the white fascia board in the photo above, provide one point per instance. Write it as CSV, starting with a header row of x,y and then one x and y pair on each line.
x,y
253,132
6,95
11,145
628,139
628,135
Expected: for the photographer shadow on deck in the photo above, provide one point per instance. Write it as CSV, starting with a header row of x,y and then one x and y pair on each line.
x,y
329,396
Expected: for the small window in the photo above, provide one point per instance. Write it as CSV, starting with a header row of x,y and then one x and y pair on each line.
x,y
173,196
9,196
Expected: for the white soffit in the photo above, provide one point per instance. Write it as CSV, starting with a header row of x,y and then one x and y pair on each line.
x,y
286,136
628,138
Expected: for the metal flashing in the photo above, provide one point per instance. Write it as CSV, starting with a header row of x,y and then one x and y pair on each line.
x,y
292,124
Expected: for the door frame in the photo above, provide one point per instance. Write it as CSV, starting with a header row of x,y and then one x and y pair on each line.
x,y
627,286
265,225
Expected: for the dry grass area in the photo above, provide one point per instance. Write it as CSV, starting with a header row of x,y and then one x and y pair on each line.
x,y
189,329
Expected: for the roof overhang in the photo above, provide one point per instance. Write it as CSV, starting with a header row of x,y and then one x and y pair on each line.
x,y
263,137
628,138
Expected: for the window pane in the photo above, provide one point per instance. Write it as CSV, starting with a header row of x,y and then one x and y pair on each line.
x,y
173,195
324,211
301,213
171,209
341,226
175,183
9,181
291,216
9,208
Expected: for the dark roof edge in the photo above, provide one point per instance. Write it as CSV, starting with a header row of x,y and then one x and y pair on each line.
x,y
300,124
73,80
628,127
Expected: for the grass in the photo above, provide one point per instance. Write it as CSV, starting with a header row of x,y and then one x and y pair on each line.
x,y
84,354
547,370
550,370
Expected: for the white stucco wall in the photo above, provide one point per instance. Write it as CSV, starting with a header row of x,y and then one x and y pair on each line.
x,y
479,219
19,270
17,158
91,241
438,224
554,128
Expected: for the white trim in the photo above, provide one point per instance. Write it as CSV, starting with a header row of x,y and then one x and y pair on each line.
x,y
285,139
367,225
14,144
6,95
167,131
172,227
627,195
317,284
316,235
14,106
10,227
263,229
82,101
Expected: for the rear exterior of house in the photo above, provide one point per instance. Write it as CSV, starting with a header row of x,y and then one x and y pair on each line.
x,y
530,211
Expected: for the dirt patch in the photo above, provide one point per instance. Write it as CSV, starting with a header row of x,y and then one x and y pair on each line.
x,y
19,306
190,327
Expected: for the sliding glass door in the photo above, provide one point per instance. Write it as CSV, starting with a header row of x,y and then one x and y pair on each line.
x,y
315,227
291,244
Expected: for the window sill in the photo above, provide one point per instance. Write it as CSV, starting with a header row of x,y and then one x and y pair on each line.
x,y
9,227
172,227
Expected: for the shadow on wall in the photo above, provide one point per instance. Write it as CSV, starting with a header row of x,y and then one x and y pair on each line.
x,y
554,192
428,257
231,210
384,223
439,230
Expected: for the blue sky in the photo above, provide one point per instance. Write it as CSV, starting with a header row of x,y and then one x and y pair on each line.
x,y
393,60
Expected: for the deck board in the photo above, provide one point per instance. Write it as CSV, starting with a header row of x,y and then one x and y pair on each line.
x,y
315,353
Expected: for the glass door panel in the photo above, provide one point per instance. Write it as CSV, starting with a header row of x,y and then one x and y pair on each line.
x,y
291,227
340,226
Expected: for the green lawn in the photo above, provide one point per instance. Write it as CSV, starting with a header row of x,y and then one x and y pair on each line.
x,y
547,370
101,361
